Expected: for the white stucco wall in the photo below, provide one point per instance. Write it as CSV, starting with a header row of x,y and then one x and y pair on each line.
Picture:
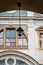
x,y
32,38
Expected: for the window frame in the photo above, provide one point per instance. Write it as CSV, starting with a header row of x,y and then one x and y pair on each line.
x,y
1,46
10,41
39,31
13,47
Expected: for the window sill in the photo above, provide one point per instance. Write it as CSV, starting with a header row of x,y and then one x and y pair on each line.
x,y
17,48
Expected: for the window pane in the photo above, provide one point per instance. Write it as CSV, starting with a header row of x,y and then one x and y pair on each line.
x,y
1,34
13,33
19,62
13,42
8,44
19,42
7,40
10,61
24,42
41,40
1,41
7,33
2,62
41,43
10,33
1,37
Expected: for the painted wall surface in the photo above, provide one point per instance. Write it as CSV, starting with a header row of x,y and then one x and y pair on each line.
x,y
32,38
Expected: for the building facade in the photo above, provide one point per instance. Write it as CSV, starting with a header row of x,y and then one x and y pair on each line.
x,y
24,50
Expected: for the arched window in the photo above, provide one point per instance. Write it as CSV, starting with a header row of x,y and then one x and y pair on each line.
x,y
16,58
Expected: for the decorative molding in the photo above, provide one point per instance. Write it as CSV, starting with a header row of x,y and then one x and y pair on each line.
x,y
19,55
22,18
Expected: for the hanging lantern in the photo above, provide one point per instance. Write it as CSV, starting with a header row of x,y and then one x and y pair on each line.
x,y
19,30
